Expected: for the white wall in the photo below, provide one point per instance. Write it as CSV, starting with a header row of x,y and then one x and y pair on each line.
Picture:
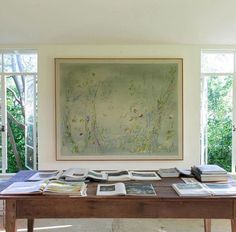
x,y
46,114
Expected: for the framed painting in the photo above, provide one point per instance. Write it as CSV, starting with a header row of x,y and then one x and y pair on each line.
x,y
119,109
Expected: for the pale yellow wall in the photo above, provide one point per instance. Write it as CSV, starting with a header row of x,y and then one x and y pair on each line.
x,y
46,113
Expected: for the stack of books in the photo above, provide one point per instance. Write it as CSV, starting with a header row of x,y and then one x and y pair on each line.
x,y
209,173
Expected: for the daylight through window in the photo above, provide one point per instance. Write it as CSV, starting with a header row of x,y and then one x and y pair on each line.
x,y
217,77
18,94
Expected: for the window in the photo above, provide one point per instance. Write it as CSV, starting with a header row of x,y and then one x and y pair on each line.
x,y
18,94
217,87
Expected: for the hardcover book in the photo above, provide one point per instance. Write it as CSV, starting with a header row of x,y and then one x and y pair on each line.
x,y
139,189
168,172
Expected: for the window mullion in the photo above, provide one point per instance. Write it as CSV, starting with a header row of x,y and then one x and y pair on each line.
x,y
4,123
234,118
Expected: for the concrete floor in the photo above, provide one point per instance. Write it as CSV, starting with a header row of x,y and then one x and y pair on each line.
x,y
122,225
119,225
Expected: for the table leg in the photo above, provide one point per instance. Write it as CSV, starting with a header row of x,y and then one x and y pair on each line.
x,y
233,225
207,225
30,224
10,216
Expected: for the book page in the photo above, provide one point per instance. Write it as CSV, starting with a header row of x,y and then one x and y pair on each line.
x,y
221,189
111,189
140,189
118,175
191,189
65,188
24,188
139,175
75,173
96,175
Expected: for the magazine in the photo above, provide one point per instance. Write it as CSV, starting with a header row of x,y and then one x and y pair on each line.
x,y
124,175
139,189
46,187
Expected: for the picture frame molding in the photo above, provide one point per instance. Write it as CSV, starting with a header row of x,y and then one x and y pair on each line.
x,y
180,156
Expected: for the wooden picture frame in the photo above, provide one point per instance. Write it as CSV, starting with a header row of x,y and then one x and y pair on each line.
x,y
119,109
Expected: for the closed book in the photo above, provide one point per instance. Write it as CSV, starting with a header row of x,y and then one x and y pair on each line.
x,y
210,169
209,178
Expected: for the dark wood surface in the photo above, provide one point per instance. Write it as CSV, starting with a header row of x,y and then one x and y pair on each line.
x,y
167,204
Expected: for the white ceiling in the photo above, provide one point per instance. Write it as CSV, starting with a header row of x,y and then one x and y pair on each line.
x,y
117,21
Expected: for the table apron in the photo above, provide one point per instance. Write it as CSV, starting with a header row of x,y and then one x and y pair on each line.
x,y
124,208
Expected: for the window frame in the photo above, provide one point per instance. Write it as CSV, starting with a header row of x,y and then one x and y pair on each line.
x,y
3,76
203,129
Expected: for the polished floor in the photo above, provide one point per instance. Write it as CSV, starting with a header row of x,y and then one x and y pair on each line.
x,y
121,225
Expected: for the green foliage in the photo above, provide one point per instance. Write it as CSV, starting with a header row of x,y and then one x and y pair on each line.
x,y
219,128
15,109
20,143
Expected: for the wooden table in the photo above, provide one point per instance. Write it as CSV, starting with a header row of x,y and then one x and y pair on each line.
x,y
167,204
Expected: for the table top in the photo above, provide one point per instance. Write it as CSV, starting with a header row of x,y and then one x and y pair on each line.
x,y
162,187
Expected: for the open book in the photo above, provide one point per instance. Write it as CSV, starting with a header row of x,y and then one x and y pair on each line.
x,y
46,187
207,189
140,189
25,188
124,175
82,174
71,174
64,188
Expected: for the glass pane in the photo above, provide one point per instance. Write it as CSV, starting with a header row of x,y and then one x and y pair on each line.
x,y
30,135
29,157
219,120
16,63
0,100
16,121
0,119
0,62
15,97
0,86
217,62
29,99
30,120
0,157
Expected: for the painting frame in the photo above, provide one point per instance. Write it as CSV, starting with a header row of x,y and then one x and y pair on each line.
x,y
59,62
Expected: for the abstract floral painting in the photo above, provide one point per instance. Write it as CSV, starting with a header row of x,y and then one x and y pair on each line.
x,y
119,109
